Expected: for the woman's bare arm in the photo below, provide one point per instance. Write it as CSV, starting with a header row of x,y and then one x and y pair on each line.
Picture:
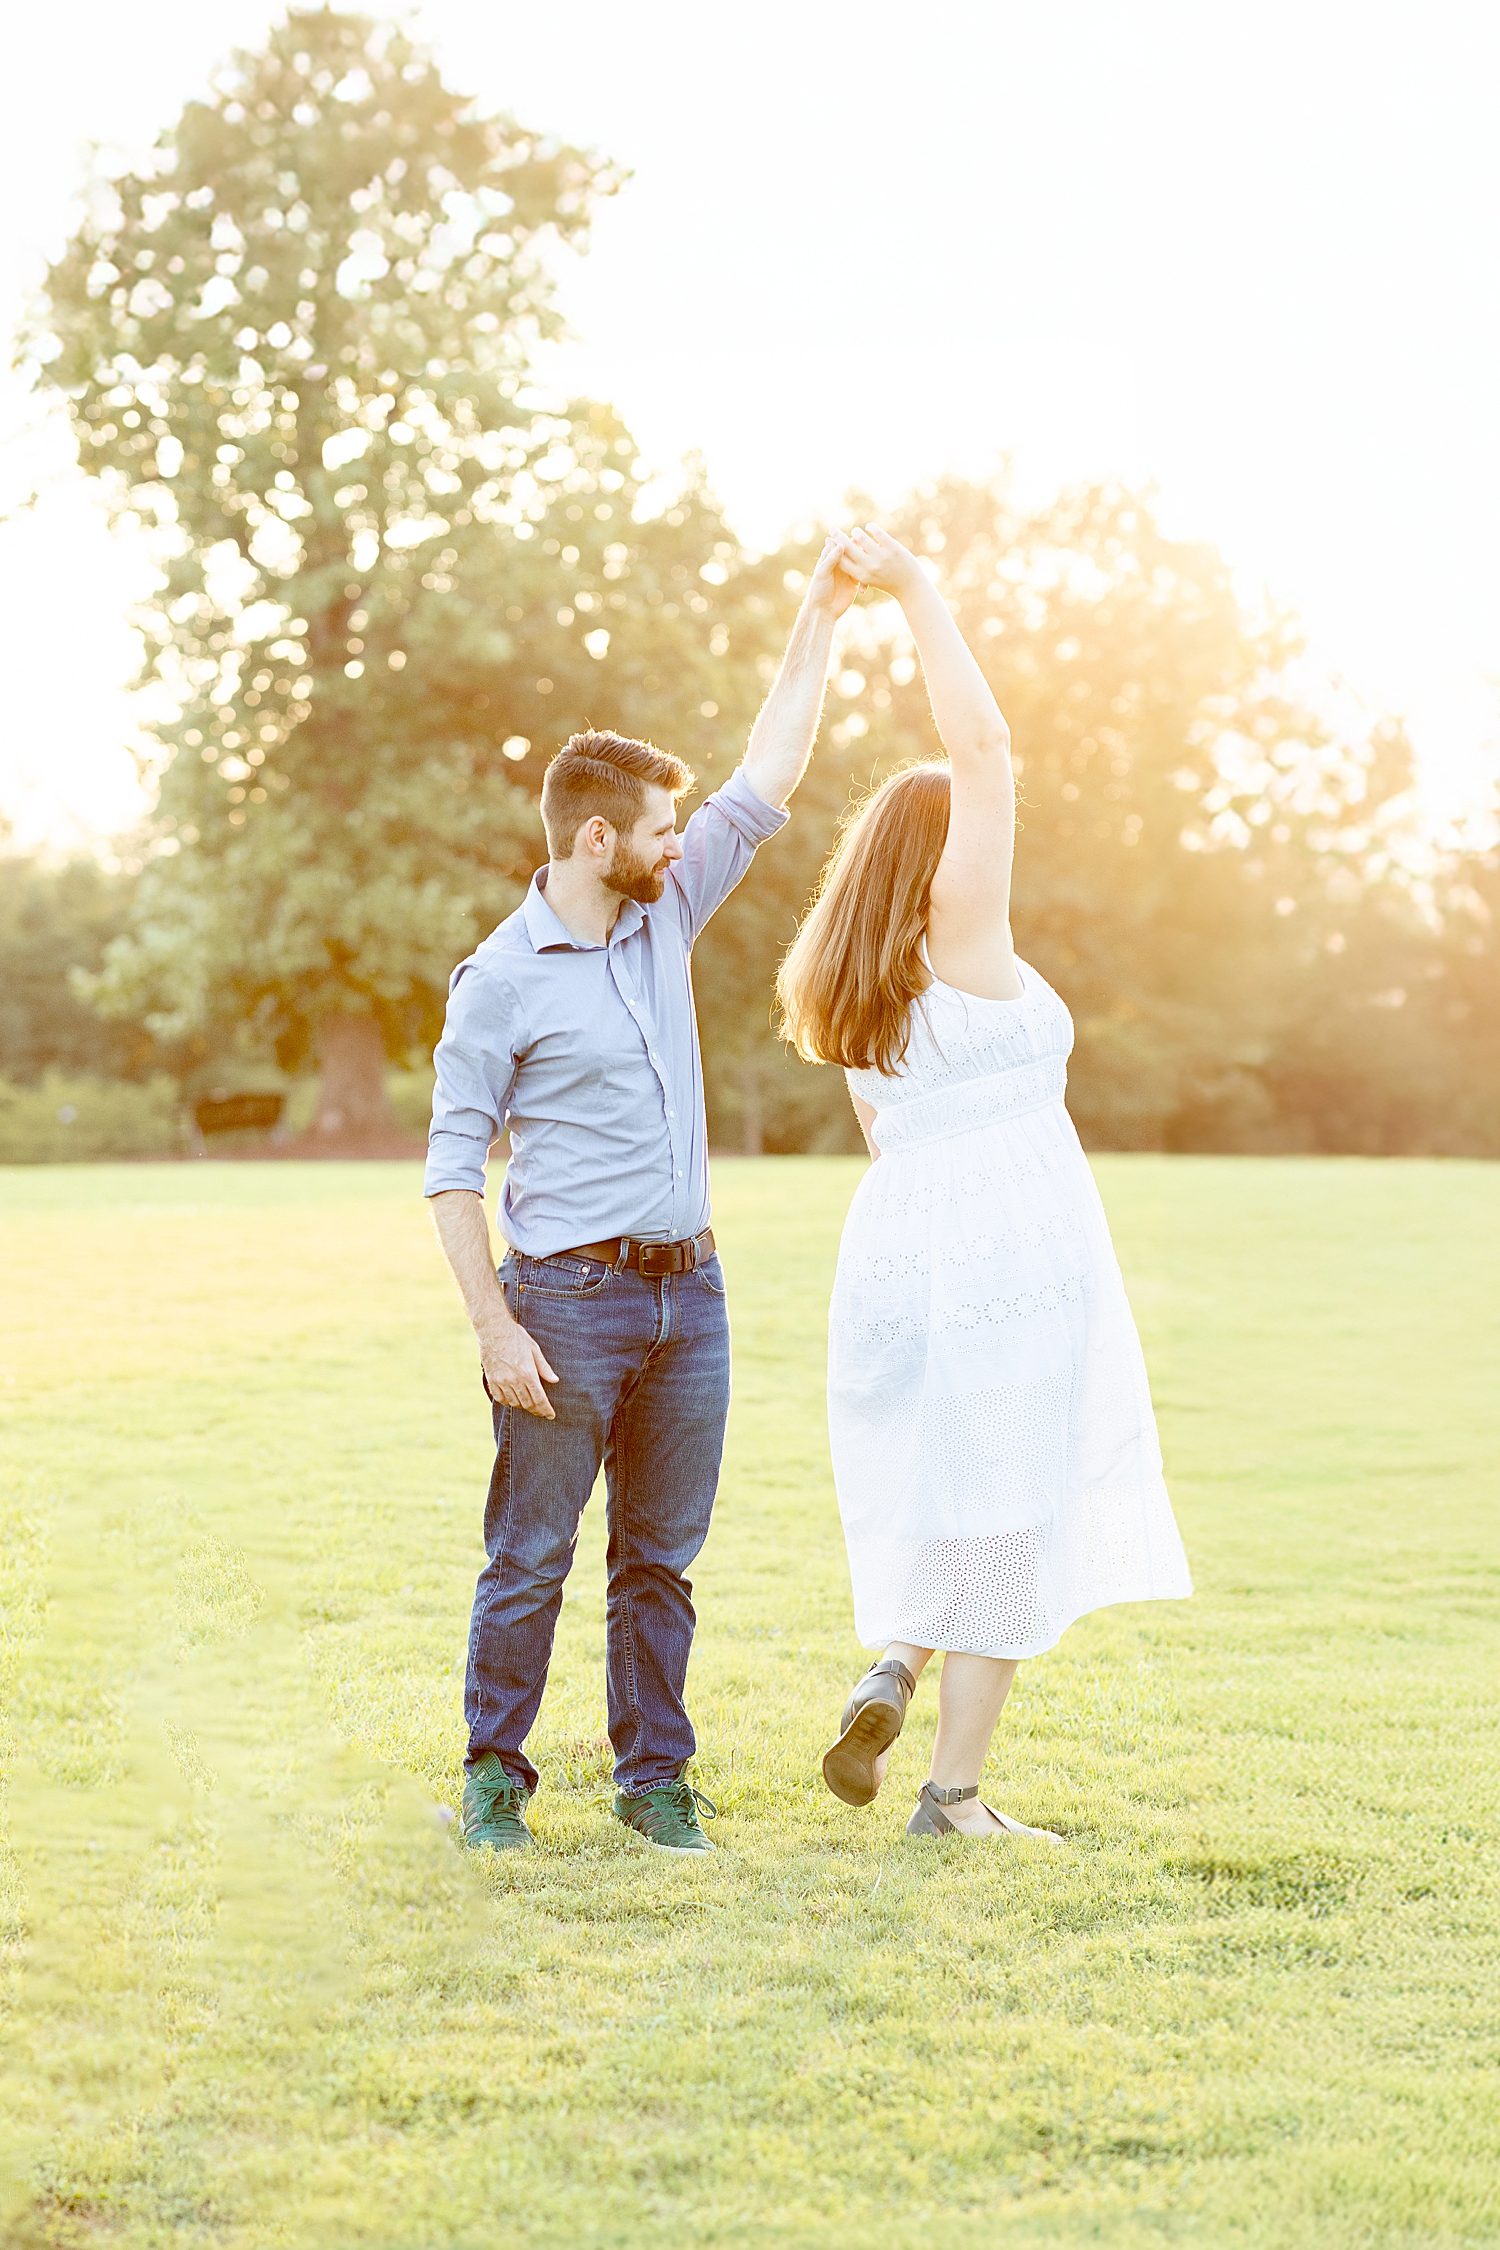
x,y
968,930
866,1116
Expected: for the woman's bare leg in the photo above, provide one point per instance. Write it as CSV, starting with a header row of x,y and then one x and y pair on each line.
x,y
970,1700
913,1659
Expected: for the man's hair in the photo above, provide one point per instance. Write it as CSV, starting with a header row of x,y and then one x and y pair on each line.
x,y
604,775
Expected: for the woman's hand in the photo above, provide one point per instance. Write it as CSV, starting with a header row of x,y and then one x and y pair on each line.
x,y
876,559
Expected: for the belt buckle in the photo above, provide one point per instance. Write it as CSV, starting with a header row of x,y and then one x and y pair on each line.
x,y
659,1255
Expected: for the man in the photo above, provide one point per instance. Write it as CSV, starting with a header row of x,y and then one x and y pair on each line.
x,y
603,1337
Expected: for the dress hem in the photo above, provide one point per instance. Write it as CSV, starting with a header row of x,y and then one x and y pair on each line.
x,y
1036,1648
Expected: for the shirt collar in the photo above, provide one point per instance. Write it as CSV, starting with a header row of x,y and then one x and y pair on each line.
x,y
548,932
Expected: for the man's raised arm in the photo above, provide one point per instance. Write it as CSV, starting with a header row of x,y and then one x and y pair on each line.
x,y
782,737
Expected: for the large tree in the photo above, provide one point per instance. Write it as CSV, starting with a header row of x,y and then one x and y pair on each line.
x,y
298,341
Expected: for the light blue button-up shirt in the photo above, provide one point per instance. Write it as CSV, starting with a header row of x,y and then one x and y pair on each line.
x,y
589,1053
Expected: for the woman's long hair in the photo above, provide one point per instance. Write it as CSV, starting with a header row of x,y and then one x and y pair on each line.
x,y
848,982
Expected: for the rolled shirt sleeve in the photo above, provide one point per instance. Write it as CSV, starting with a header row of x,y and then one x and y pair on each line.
x,y
476,1071
718,845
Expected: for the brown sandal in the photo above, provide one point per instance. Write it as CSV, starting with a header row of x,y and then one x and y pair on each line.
x,y
873,1717
929,1819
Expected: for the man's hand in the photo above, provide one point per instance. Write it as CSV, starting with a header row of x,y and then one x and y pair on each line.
x,y
830,588
514,1369
876,559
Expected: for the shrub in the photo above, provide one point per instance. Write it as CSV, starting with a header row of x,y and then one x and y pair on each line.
x,y
411,1100
68,1120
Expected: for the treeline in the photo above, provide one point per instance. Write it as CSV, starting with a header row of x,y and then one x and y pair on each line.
x,y
1224,892
299,345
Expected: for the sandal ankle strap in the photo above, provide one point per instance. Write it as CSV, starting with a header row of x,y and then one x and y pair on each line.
x,y
946,1796
897,1670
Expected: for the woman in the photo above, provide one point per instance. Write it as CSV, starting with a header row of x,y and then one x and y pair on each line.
x,y
993,1442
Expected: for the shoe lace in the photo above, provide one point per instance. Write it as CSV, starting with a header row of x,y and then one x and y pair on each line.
x,y
685,1797
503,1800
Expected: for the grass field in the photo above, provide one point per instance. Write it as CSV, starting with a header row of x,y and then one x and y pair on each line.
x,y
256,1998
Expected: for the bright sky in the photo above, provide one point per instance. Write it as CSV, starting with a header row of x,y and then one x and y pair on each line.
x,y
1246,251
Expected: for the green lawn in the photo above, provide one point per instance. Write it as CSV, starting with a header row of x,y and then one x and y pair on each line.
x,y
256,1997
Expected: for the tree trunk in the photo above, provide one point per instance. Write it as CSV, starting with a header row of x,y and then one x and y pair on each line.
x,y
753,1127
352,1101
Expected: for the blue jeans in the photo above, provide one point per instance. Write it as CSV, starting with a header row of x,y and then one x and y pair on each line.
x,y
643,1387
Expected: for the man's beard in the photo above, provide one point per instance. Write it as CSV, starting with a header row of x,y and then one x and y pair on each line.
x,y
632,877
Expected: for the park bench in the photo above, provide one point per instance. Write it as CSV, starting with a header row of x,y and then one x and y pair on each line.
x,y
220,1112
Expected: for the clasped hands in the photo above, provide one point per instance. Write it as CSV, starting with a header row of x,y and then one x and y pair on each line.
x,y
865,556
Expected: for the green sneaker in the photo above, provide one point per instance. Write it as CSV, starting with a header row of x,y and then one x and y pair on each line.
x,y
495,1808
668,1817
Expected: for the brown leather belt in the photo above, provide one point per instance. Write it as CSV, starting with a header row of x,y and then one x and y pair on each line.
x,y
649,1258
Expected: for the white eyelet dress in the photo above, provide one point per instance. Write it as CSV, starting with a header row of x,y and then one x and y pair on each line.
x,y
994,1447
